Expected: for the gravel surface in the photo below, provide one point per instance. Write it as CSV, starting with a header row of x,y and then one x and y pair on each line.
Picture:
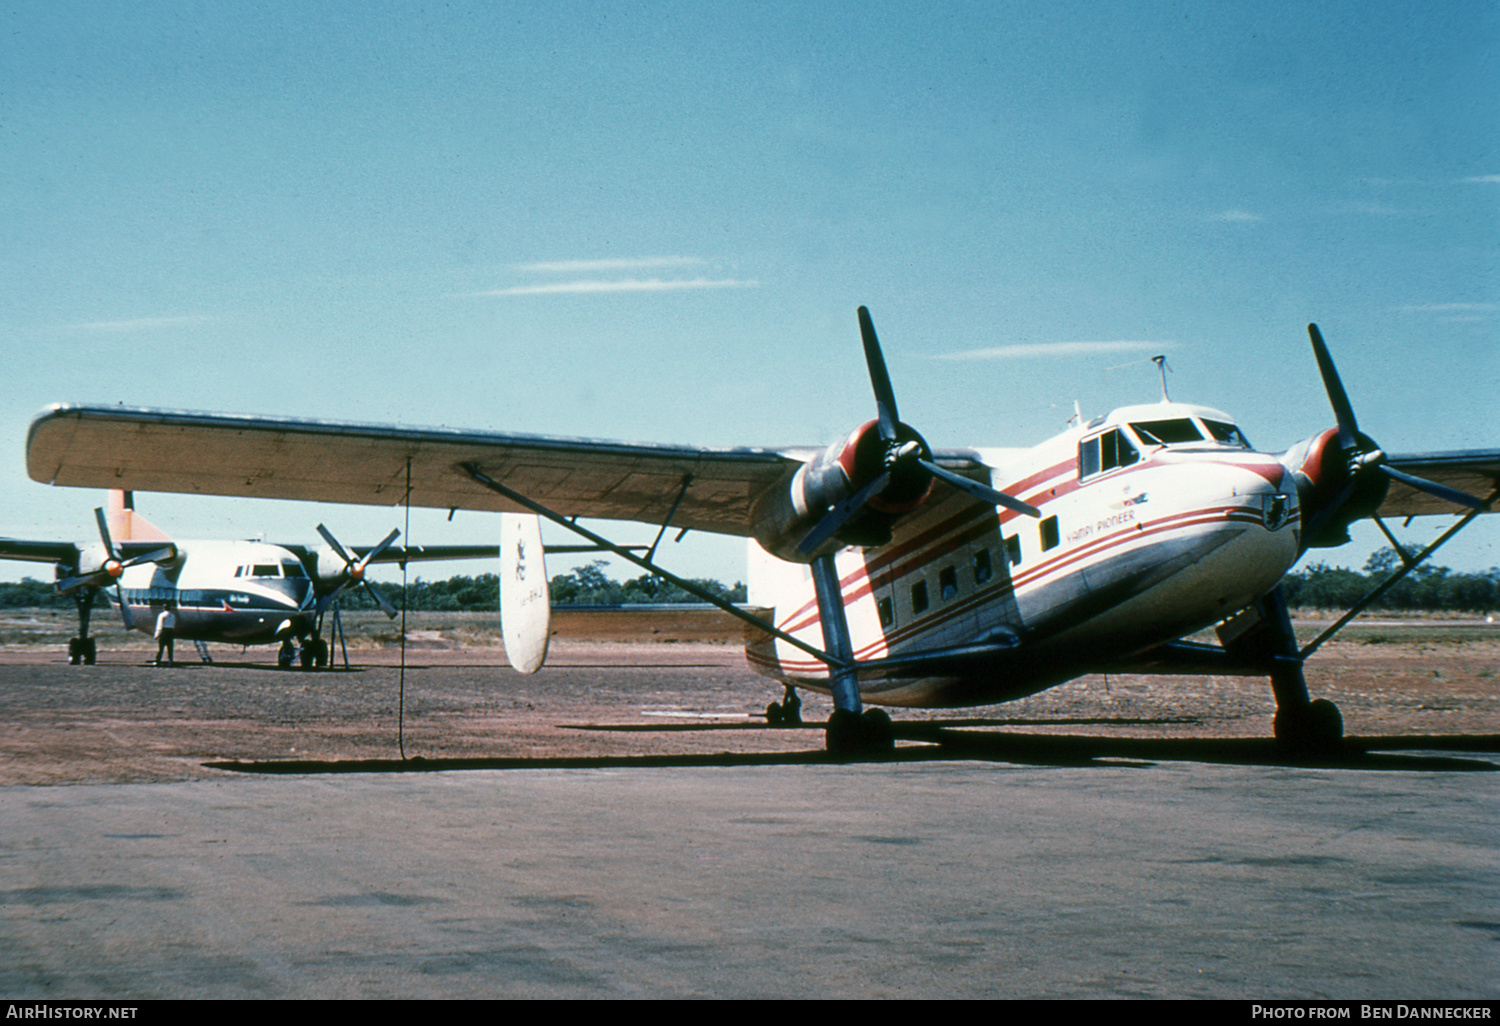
x,y
124,720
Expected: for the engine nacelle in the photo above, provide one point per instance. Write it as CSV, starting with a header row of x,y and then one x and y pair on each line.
x,y
783,519
1323,470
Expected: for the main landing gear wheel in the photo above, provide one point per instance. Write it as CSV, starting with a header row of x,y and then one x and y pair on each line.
x,y
852,735
1317,728
81,650
286,656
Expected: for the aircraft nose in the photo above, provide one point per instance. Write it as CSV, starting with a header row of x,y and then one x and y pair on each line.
x,y
1263,491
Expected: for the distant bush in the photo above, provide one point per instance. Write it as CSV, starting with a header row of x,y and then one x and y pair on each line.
x,y
1426,589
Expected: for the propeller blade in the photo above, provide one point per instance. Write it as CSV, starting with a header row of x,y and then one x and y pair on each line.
x,y
1452,495
334,544
381,600
125,614
880,378
109,544
158,556
374,553
1343,410
332,598
980,491
841,513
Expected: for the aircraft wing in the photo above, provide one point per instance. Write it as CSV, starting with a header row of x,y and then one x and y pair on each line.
x,y
1476,472
39,551
321,461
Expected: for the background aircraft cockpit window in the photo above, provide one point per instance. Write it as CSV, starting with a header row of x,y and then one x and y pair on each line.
x,y
1167,432
1226,433
1106,452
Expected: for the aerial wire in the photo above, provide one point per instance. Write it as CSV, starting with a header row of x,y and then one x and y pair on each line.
x,y
405,601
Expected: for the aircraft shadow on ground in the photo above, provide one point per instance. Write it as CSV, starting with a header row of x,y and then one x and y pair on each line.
x,y
941,742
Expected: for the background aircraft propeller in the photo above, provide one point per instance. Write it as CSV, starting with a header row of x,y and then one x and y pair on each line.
x,y
906,453
354,572
114,566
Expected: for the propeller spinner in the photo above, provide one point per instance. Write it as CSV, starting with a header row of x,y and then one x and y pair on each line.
x,y
1347,470
905,459
354,571
112,568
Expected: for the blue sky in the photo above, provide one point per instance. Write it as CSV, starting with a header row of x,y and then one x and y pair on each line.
x,y
654,221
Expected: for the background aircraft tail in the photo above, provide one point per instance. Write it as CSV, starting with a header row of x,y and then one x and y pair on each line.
x,y
125,524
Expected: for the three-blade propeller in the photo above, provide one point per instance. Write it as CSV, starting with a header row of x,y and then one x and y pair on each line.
x,y
1360,452
903,451
354,571
112,568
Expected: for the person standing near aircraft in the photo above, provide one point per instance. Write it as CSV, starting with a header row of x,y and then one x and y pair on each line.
x,y
166,630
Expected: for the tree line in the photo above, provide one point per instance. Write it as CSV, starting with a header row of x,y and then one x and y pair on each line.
x,y
1427,589
587,586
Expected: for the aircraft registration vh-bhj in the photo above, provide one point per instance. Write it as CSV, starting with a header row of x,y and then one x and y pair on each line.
x,y
882,571
229,592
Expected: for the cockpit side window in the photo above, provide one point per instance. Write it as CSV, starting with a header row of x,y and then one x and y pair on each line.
x,y
1105,452
292,568
1167,432
265,570
1226,433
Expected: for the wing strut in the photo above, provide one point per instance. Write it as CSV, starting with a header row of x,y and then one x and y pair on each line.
x,y
687,479
834,663
1408,565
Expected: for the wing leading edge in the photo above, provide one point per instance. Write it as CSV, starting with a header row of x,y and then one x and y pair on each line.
x,y
323,461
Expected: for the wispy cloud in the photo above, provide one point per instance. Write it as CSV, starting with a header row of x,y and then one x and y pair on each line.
x,y
1481,180
1048,350
626,264
620,285
1454,313
600,285
1236,217
142,323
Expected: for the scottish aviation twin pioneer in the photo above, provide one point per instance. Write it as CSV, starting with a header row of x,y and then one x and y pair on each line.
x,y
884,571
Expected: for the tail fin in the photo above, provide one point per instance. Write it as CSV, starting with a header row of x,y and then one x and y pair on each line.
x,y
125,524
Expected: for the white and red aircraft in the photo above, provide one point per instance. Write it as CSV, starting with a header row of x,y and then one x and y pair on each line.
x,y
230,592
884,571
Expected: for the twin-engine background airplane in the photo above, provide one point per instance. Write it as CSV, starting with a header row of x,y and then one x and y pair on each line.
x,y
230,592
884,571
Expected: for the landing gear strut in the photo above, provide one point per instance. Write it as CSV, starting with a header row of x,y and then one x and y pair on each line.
x,y
852,732
1301,725
81,649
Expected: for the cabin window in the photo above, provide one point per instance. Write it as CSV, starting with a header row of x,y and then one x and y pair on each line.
x,y
947,583
1227,433
1013,549
919,597
1105,452
1167,432
887,613
982,569
1049,532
